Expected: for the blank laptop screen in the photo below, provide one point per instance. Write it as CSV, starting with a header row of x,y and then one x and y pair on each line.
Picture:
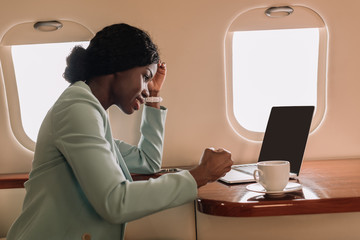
x,y
286,135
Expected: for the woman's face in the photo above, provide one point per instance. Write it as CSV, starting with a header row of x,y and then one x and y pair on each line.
x,y
129,87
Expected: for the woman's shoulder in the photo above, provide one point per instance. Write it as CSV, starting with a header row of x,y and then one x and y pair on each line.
x,y
78,93
79,89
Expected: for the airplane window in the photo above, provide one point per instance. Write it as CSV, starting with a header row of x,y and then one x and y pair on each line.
x,y
273,68
274,60
38,71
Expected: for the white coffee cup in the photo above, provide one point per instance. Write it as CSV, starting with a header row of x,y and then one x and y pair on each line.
x,y
272,175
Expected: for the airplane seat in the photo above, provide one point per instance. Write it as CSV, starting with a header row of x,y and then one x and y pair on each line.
x,y
175,223
11,201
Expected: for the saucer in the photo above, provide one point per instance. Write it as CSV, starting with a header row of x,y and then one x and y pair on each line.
x,y
290,187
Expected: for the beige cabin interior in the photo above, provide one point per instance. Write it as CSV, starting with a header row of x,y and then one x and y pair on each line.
x,y
191,36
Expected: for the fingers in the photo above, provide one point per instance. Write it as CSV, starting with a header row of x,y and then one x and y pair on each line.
x,y
220,151
157,81
218,162
162,64
161,68
214,163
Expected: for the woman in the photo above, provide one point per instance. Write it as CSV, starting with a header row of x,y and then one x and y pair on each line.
x,y
80,184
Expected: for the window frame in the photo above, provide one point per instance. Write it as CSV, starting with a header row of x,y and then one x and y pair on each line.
x,y
24,33
255,19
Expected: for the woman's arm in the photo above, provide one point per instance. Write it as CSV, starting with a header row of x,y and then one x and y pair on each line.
x,y
147,156
81,136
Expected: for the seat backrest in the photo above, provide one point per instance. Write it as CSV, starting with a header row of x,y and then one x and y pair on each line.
x,y
11,201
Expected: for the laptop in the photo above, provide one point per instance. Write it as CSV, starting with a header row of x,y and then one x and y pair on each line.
x,y
285,138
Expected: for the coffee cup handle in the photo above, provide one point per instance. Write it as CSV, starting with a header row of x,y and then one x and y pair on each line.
x,y
255,174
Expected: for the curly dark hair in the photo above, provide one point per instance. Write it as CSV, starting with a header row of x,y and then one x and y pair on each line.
x,y
115,48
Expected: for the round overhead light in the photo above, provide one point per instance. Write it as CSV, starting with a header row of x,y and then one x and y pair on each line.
x,y
48,26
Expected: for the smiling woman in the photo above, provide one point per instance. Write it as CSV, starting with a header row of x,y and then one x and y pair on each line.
x,y
80,168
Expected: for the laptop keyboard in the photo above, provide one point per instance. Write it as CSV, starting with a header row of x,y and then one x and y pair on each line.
x,y
245,168
250,168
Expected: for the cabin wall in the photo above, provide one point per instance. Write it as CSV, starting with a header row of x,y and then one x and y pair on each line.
x,y
191,35
299,227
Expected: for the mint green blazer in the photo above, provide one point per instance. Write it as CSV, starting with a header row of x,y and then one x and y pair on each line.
x,y
80,182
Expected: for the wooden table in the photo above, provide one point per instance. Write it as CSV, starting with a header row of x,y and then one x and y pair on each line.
x,y
329,186
17,180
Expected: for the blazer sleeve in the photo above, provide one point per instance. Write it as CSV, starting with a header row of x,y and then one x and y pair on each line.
x,y
146,157
79,130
